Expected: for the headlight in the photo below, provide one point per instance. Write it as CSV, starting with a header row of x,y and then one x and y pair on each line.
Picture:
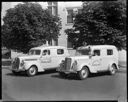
x,y
22,63
74,65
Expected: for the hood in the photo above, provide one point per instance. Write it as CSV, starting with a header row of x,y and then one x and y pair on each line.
x,y
29,57
79,57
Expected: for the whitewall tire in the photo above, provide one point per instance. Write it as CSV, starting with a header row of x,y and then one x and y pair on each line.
x,y
113,69
32,71
83,73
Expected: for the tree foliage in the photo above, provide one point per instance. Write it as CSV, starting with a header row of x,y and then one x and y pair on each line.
x,y
101,22
28,25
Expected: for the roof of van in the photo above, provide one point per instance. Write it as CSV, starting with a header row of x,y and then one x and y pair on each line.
x,y
98,46
48,47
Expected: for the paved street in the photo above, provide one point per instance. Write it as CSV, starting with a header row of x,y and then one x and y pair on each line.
x,y
49,86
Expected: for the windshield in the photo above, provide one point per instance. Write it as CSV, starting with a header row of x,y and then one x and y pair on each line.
x,y
82,52
34,52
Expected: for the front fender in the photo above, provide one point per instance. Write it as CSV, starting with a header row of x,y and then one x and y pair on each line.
x,y
29,64
80,66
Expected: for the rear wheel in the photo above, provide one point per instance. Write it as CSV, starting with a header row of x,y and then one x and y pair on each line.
x,y
32,71
113,69
83,73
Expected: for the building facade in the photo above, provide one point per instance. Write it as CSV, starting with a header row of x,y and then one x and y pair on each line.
x,y
65,10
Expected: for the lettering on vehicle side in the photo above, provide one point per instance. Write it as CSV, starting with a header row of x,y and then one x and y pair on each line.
x,y
30,59
96,63
46,61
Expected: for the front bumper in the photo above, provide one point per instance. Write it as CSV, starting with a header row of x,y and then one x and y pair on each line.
x,y
18,69
66,71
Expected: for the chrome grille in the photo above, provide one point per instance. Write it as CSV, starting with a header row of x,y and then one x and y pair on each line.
x,y
67,63
16,63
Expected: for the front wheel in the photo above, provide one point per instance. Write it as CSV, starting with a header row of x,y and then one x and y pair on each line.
x,y
32,71
83,73
112,69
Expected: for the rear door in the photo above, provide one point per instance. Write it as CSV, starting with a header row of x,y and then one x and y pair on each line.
x,y
58,56
107,57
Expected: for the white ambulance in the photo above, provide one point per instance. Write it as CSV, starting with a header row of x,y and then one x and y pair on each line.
x,y
90,59
39,59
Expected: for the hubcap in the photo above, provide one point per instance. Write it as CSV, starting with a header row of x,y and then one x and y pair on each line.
x,y
84,73
32,71
113,69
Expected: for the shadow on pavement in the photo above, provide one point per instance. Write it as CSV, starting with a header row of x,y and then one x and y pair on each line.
x,y
75,77
19,75
69,77
23,74
99,74
47,72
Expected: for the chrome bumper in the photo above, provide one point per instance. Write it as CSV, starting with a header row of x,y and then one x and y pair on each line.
x,y
65,71
18,69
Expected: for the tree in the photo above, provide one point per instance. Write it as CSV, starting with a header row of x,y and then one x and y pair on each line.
x,y
101,22
28,25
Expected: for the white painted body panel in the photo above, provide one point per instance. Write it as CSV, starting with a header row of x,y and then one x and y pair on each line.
x,y
43,62
95,63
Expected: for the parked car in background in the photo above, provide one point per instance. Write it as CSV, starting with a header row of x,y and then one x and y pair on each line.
x,y
39,59
90,59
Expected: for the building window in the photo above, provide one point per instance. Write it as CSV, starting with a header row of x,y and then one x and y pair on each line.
x,y
69,44
70,16
50,9
54,3
49,3
53,8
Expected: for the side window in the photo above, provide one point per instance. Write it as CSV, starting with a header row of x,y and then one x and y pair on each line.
x,y
60,51
46,52
109,52
96,52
